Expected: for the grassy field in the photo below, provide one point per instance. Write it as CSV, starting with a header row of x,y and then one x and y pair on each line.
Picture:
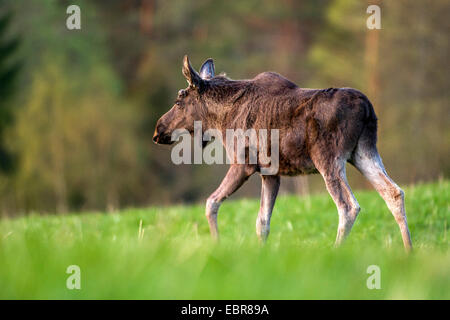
x,y
172,256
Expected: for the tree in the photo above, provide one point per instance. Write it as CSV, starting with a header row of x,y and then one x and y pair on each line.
x,y
9,71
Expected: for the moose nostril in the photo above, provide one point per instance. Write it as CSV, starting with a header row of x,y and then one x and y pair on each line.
x,y
156,135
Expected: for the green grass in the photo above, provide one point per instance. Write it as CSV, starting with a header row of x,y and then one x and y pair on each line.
x,y
176,259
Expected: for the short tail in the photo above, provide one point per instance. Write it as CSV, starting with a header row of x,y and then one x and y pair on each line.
x,y
368,138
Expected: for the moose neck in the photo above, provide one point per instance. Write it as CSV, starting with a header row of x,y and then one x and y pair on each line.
x,y
222,96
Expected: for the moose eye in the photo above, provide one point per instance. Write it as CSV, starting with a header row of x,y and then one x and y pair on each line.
x,y
178,103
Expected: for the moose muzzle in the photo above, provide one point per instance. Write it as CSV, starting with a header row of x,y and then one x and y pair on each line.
x,y
161,136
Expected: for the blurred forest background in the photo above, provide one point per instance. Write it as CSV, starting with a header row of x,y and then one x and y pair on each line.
x,y
78,107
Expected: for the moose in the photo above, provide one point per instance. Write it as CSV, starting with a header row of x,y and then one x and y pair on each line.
x,y
320,130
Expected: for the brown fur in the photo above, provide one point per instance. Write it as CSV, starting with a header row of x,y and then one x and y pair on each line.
x,y
319,129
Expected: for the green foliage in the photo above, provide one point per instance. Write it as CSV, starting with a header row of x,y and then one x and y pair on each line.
x,y
90,98
74,134
175,258
337,57
102,144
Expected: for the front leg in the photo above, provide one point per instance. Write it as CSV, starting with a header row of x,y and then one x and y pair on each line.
x,y
269,192
234,179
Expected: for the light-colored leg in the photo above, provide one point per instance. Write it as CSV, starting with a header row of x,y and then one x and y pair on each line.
x,y
234,179
371,166
339,189
269,191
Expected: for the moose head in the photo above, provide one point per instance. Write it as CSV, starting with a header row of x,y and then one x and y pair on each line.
x,y
189,105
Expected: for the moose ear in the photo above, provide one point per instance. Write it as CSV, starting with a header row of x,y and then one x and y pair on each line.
x,y
190,74
207,69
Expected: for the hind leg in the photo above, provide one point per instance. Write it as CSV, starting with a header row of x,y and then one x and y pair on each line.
x,y
368,162
335,178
